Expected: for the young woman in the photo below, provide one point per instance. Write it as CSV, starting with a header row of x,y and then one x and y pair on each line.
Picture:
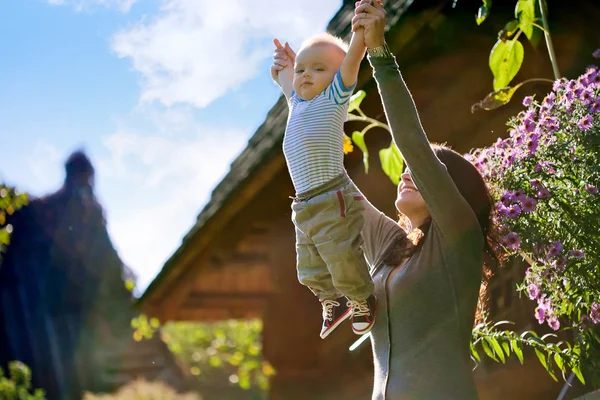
x,y
427,269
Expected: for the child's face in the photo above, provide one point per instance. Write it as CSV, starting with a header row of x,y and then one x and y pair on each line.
x,y
315,69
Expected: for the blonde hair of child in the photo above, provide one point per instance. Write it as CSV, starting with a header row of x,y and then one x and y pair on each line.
x,y
325,38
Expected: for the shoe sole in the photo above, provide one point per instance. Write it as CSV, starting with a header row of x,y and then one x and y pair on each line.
x,y
366,330
341,319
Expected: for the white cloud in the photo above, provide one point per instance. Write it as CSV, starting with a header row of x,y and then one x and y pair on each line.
x,y
153,185
81,5
43,160
195,51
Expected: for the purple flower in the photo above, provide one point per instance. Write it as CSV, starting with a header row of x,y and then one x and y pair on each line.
x,y
553,322
549,100
558,84
532,145
529,125
502,210
586,96
520,195
555,249
528,204
560,264
536,184
591,189
576,253
595,313
512,241
514,211
596,53
543,193
534,291
507,197
528,100
585,123
540,314
595,107
594,79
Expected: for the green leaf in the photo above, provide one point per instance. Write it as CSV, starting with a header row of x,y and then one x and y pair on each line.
x,y
577,372
483,11
497,349
474,353
506,348
355,100
488,350
517,350
525,13
559,361
542,359
359,140
505,61
392,162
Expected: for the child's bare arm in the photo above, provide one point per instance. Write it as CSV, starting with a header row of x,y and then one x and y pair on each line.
x,y
354,56
282,70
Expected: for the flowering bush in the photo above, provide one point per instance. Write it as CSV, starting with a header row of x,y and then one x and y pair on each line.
x,y
545,177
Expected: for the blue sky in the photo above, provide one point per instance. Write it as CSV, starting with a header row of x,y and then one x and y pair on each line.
x,y
161,94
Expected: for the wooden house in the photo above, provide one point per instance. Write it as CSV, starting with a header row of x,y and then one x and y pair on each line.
x,y
238,260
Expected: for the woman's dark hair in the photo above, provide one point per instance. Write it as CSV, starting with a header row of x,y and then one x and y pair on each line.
x,y
473,188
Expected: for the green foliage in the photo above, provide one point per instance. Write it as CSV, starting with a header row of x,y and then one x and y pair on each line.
x,y
483,11
499,345
392,162
391,159
545,178
141,389
17,385
525,14
506,57
10,201
505,61
211,351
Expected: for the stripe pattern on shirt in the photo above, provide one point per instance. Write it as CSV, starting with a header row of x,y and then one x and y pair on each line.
x,y
313,144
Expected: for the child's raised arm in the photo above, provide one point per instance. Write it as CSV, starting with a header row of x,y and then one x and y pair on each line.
x,y
354,56
282,70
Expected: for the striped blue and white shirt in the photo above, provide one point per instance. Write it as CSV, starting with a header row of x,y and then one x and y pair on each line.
x,y
313,144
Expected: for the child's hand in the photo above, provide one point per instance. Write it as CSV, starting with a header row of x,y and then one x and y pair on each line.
x,y
283,57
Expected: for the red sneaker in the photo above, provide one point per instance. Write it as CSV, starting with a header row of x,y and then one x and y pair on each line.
x,y
335,311
363,314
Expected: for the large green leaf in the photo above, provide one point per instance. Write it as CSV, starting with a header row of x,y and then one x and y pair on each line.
x,y
359,140
505,61
483,11
355,100
525,13
392,162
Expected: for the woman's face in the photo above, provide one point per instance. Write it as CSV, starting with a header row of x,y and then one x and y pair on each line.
x,y
409,201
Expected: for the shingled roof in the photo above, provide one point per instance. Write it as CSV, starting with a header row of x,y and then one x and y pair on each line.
x,y
268,137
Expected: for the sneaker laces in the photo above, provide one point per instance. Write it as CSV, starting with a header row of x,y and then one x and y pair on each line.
x,y
328,309
359,307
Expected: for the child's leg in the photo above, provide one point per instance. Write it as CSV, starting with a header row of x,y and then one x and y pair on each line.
x,y
339,242
313,273
312,270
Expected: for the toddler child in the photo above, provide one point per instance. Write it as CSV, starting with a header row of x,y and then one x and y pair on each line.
x,y
327,210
